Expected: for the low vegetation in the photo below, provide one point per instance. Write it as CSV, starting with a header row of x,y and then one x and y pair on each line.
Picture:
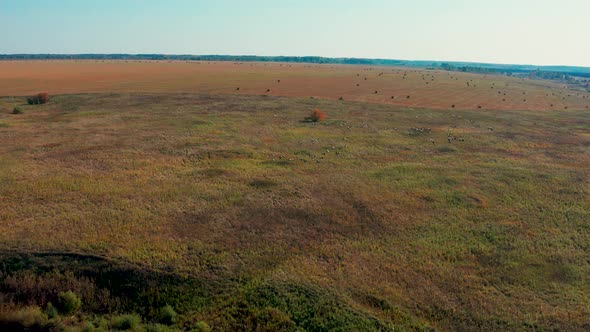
x,y
40,98
230,213
316,116
69,303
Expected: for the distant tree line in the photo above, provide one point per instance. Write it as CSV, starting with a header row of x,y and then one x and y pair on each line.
x,y
537,73
234,58
551,75
472,67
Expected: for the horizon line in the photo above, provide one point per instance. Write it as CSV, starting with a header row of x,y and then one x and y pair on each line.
x,y
5,55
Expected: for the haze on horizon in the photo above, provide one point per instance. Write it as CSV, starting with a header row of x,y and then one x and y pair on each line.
x,y
539,32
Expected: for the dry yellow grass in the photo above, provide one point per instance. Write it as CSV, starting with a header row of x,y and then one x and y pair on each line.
x,y
488,231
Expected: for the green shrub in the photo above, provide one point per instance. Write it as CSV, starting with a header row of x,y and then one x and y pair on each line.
x,y
157,328
201,327
27,317
51,311
17,110
69,303
272,319
101,323
168,315
40,98
89,327
125,322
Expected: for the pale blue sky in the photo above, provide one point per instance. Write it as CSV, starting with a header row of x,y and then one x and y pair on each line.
x,y
543,32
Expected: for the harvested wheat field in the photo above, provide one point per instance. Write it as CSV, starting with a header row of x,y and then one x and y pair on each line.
x,y
384,85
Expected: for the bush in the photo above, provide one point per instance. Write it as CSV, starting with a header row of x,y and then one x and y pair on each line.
x,y
316,116
201,327
40,98
272,319
17,110
69,303
125,322
51,311
27,317
89,327
43,97
157,328
168,315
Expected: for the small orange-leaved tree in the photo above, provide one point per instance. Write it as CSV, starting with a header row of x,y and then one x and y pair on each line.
x,y
43,97
316,116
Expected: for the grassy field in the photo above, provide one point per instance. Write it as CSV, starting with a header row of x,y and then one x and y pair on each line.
x,y
384,85
241,216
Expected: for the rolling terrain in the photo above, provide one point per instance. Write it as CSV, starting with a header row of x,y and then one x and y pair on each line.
x,y
392,214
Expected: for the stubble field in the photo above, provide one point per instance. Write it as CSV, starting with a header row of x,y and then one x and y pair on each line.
x,y
408,87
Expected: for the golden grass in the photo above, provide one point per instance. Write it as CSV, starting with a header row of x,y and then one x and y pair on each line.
x,y
490,229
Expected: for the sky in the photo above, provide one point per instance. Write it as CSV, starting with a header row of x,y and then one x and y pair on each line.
x,y
539,32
